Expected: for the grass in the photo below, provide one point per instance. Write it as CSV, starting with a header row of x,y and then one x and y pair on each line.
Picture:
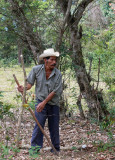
x,y
8,85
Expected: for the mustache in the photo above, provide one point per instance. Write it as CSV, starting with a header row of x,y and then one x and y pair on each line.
x,y
53,65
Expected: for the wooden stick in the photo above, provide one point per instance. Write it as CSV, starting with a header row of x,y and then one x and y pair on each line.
x,y
25,80
61,147
98,74
16,80
50,143
33,115
19,119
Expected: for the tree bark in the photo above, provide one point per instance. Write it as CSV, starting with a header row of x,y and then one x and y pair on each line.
x,y
92,96
31,38
23,102
19,52
80,107
82,77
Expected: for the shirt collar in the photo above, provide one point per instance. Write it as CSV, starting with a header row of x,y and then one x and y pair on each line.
x,y
52,73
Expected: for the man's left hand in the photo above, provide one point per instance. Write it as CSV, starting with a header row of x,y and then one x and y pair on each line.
x,y
40,106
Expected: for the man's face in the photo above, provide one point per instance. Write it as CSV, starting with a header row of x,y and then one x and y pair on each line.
x,y
51,62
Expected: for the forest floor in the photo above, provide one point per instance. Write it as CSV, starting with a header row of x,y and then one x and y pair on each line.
x,y
80,139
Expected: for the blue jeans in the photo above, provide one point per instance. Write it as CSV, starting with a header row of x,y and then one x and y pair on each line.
x,y
52,113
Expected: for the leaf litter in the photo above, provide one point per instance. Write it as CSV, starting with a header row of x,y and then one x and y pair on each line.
x,y
79,139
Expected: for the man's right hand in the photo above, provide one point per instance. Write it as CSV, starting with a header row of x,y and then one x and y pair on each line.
x,y
20,89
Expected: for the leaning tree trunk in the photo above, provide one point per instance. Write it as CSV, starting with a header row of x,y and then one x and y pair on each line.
x,y
19,52
30,38
92,96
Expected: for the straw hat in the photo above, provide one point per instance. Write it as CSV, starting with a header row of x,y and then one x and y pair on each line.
x,y
47,53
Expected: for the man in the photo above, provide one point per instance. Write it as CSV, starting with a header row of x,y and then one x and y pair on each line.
x,y
48,89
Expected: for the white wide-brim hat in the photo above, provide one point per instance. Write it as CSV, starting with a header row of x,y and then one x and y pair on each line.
x,y
47,53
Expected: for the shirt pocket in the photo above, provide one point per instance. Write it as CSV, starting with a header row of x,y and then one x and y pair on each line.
x,y
50,86
39,79
39,84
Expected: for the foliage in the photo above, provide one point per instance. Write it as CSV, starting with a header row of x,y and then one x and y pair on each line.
x,y
32,104
8,152
109,120
5,108
105,146
99,44
34,151
40,14
46,20
108,10
8,38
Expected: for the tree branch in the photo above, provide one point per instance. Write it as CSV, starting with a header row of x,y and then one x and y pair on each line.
x,y
62,29
67,12
79,11
23,101
98,74
33,39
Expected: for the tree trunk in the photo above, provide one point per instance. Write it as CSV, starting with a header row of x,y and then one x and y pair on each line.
x,y
80,107
92,96
19,53
31,38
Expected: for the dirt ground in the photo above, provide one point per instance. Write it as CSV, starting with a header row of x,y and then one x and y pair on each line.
x,y
80,140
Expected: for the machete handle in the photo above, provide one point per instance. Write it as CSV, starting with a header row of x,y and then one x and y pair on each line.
x,y
42,130
18,85
16,80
